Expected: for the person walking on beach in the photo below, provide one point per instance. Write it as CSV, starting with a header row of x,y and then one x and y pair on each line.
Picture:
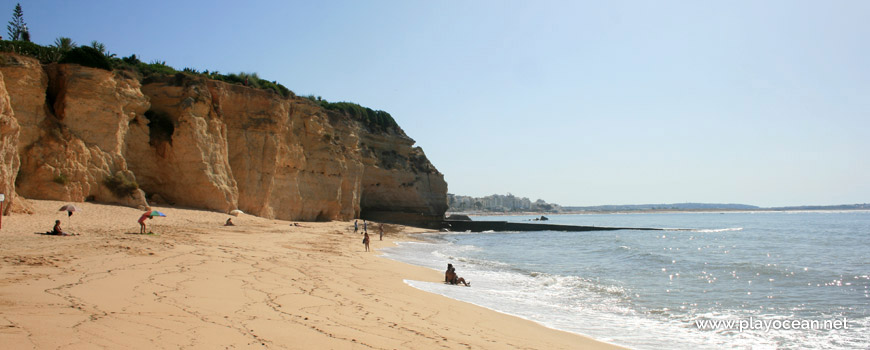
x,y
365,226
381,232
366,240
355,226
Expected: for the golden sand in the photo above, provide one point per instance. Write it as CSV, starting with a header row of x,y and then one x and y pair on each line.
x,y
198,284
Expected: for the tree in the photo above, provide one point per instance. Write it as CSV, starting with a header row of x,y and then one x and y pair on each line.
x,y
64,44
17,29
99,46
102,49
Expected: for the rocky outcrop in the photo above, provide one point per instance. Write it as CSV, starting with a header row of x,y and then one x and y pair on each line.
x,y
400,184
202,143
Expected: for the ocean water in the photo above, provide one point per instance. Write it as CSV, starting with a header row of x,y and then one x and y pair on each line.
x,y
650,289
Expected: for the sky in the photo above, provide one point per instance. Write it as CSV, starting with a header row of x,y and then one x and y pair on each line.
x,y
574,102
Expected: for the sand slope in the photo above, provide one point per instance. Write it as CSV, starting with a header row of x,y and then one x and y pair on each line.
x,y
198,284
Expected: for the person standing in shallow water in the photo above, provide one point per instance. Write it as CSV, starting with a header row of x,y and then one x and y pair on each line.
x,y
366,240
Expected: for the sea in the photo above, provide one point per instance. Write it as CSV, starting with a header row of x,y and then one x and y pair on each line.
x,y
743,280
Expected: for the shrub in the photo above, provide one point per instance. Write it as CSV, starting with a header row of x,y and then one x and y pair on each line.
x,y
369,117
252,80
120,185
44,54
132,59
87,56
61,179
155,67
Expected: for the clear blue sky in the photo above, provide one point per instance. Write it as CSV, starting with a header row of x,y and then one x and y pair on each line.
x,y
577,103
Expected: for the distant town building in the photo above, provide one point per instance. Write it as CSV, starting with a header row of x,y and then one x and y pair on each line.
x,y
499,203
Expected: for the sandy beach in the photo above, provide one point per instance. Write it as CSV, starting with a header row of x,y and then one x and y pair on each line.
x,y
195,283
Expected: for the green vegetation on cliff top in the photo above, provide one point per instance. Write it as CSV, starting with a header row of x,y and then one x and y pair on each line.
x,y
96,56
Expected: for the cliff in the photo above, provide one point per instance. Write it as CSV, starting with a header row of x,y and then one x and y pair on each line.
x,y
74,133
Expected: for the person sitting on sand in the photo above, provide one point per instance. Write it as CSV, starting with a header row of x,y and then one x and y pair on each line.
x,y
229,222
451,277
57,231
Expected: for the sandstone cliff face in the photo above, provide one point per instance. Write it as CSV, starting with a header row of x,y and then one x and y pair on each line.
x,y
27,84
78,141
400,184
178,149
207,144
289,159
225,147
9,138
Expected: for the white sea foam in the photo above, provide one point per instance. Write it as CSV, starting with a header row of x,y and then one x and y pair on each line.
x,y
719,230
567,303
557,302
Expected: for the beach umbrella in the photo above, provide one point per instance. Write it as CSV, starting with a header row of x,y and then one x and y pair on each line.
x,y
69,208
153,213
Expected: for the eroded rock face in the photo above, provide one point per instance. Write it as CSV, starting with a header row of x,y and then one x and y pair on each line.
x,y
77,143
290,160
207,144
224,147
400,184
9,138
27,84
178,148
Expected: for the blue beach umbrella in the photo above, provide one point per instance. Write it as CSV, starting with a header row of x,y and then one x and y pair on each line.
x,y
153,213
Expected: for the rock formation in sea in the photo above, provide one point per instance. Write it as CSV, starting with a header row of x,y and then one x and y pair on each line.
x,y
74,133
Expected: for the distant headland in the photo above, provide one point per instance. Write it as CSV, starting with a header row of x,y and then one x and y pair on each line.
x,y
509,204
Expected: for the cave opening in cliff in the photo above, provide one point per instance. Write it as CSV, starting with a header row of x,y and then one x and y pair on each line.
x,y
160,127
50,98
